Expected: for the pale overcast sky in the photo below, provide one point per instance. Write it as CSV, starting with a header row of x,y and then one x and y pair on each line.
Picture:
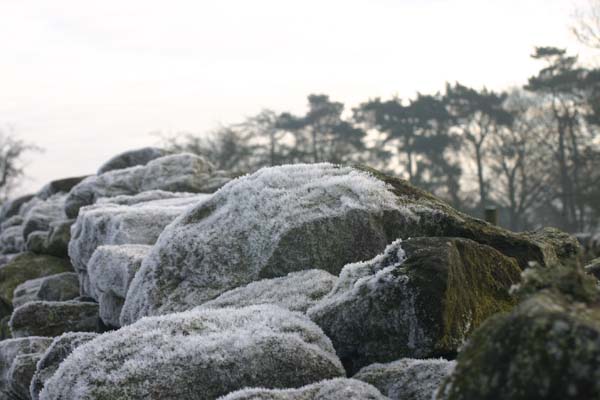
x,y
88,79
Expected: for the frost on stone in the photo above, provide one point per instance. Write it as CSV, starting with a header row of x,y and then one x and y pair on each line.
x,y
296,291
407,379
275,221
131,158
58,287
205,353
111,224
183,172
11,240
43,213
110,271
10,349
331,389
421,298
150,195
49,361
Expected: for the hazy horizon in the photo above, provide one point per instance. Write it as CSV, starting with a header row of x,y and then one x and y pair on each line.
x,y
86,81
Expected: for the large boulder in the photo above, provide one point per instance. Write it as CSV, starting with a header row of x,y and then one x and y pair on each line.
x,y
53,318
132,158
11,240
20,375
59,186
111,270
407,379
12,207
546,348
58,287
49,361
295,217
199,354
39,217
28,266
332,389
421,298
297,291
176,173
115,224
10,349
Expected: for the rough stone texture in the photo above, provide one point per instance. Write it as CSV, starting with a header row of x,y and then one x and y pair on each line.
x,y
297,291
28,266
407,379
20,374
132,158
15,220
59,186
53,318
9,350
11,240
547,348
333,389
60,349
593,268
39,217
58,287
54,242
12,207
36,241
197,354
265,225
150,195
111,270
112,224
421,298
176,173
296,217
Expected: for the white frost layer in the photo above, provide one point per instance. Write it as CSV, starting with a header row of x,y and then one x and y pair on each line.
x,y
43,213
212,352
226,241
10,349
332,389
111,224
183,172
110,272
296,291
407,379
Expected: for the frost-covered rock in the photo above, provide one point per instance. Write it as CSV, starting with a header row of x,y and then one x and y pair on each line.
x,y
20,374
113,224
265,225
58,287
407,379
143,197
11,240
28,266
59,186
10,349
176,173
53,318
332,389
548,347
39,217
421,298
12,207
296,291
111,270
15,220
593,268
60,349
197,354
132,158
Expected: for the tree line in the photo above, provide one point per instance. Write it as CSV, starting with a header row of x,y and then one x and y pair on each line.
x,y
533,151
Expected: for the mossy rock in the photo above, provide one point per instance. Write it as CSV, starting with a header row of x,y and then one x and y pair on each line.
x,y
28,266
4,328
547,348
421,298
437,218
593,268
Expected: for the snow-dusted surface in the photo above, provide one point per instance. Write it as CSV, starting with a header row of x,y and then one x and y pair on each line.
x,y
177,173
371,311
11,240
150,195
44,212
331,389
267,224
296,291
131,158
110,224
206,353
407,379
110,272
9,350
58,287
20,374
49,361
